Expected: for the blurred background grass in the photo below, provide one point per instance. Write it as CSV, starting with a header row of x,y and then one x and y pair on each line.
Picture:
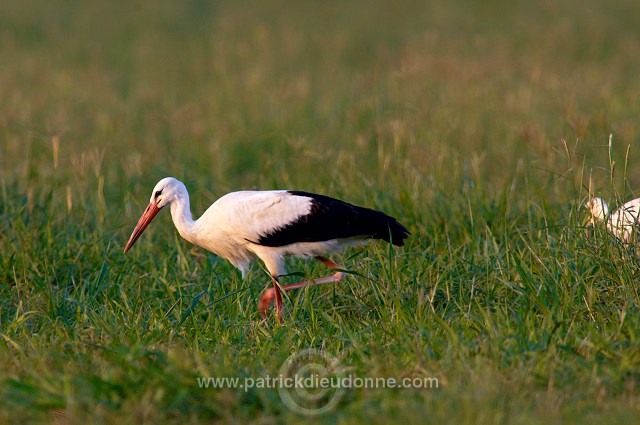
x,y
478,124
234,93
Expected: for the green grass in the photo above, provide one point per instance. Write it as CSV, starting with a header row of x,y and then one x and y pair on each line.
x,y
479,125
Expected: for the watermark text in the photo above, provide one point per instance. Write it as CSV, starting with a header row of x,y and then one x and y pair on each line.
x,y
317,381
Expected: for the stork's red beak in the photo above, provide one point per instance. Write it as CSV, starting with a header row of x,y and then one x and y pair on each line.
x,y
148,214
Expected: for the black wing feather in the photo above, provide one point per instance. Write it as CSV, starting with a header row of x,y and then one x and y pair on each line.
x,y
331,218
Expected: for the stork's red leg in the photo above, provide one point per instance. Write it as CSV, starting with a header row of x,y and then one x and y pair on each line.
x,y
268,296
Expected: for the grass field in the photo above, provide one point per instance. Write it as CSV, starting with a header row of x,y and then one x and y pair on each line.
x,y
479,125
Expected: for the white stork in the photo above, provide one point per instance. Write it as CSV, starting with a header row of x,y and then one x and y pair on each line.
x,y
622,222
271,225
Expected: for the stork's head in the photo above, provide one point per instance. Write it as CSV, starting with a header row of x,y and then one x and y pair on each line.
x,y
164,193
598,207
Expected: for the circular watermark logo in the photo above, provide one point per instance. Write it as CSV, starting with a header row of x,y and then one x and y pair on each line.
x,y
309,382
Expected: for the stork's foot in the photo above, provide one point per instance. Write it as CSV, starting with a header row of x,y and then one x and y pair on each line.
x,y
274,293
267,298
265,301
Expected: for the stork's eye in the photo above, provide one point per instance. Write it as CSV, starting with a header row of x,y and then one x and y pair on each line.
x,y
158,193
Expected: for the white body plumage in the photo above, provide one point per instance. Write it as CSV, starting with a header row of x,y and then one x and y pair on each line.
x,y
622,222
232,226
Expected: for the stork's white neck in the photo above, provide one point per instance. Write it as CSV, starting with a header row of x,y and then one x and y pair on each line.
x,y
599,209
181,216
